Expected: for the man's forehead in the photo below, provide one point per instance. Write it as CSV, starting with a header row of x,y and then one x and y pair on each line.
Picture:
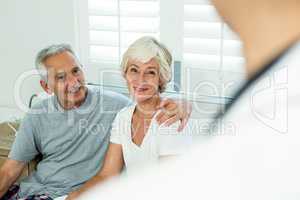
x,y
62,62
62,69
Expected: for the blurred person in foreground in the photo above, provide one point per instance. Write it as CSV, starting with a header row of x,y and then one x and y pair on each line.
x,y
259,159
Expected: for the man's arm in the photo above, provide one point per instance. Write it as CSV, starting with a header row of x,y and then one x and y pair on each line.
x,y
9,173
173,111
112,166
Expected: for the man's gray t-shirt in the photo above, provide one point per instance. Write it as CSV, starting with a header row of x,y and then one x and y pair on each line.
x,y
72,143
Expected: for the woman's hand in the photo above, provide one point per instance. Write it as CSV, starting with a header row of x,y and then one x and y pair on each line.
x,y
174,110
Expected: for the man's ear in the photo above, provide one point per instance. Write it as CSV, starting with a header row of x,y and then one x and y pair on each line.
x,y
45,87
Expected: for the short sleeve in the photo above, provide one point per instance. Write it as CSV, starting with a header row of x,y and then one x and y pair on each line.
x,y
24,147
123,102
115,133
171,142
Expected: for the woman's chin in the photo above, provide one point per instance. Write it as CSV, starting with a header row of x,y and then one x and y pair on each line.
x,y
142,98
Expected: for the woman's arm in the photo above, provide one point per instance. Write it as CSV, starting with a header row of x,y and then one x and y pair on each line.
x,y
112,166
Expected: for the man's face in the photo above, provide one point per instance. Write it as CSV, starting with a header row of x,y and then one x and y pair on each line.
x,y
66,79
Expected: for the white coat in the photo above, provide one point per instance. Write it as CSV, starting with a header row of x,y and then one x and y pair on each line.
x,y
256,155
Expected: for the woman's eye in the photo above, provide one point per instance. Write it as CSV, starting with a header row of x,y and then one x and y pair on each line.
x,y
133,70
152,72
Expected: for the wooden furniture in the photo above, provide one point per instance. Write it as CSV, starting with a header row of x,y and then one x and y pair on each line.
x,y
7,136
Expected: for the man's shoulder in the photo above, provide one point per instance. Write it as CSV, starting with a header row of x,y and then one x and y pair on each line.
x,y
110,97
42,106
33,118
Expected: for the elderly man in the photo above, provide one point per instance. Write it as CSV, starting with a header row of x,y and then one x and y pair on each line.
x,y
70,130
260,158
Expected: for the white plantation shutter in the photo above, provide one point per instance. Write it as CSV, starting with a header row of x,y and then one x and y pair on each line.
x,y
207,55
213,64
113,26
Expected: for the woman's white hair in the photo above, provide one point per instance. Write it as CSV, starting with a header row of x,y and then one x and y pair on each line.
x,y
143,50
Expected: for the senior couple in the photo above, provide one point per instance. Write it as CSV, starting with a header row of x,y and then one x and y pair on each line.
x,y
132,134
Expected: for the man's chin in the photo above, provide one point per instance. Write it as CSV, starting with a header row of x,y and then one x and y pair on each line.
x,y
77,98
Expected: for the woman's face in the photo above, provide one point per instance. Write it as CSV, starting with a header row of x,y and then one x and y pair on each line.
x,y
142,79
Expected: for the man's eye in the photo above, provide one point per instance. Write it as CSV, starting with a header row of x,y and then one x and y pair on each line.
x,y
76,71
60,78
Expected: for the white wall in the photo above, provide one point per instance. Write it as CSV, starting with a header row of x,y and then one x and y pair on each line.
x,y
25,28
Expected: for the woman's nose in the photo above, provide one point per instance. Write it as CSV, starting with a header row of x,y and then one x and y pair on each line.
x,y
141,77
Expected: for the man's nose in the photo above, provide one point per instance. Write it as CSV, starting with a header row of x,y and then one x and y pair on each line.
x,y
72,80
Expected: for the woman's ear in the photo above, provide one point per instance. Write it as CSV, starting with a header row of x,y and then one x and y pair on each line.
x,y
160,86
45,87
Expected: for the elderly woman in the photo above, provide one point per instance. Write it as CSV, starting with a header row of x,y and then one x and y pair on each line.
x,y
136,138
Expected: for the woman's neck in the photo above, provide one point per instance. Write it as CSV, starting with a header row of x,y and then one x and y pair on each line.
x,y
146,109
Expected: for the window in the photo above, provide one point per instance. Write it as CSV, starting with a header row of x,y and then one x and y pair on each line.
x,y
112,26
207,57
212,59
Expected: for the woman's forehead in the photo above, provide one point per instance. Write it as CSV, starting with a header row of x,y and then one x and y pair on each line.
x,y
151,63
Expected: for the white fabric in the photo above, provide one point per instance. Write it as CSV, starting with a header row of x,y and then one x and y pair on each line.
x,y
158,141
61,198
259,161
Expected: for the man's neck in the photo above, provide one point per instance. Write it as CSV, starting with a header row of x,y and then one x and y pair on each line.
x,y
280,30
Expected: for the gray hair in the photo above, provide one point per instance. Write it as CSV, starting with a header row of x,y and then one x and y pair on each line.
x,y
145,49
47,52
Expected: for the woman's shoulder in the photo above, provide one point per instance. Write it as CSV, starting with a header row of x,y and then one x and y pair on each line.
x,y
126,111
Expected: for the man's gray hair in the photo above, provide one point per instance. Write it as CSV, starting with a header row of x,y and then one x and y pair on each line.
x,y
47,52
